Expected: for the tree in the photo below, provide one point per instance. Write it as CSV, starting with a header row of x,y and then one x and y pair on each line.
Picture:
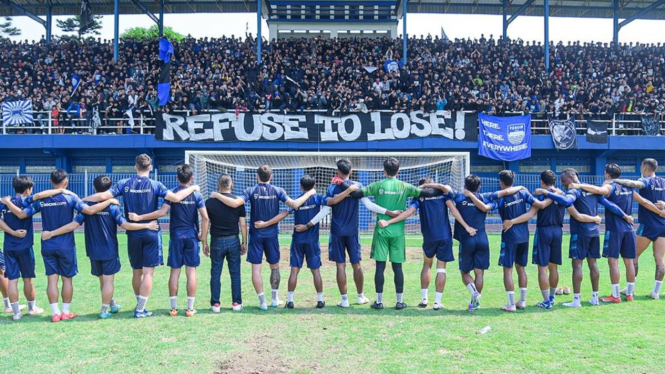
x,y
7,29
150,33
73,24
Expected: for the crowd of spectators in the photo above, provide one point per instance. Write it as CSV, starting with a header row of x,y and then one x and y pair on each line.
x,y
337,76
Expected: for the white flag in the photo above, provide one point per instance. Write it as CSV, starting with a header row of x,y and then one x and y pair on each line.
x,y
443,34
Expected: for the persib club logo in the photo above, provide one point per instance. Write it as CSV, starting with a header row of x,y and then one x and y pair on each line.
x,y
422,199
126,189
256,196
381,191
516,133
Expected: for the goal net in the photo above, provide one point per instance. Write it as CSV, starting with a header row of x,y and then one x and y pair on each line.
x,y
288,167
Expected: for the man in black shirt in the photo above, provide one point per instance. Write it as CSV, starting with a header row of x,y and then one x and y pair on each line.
x,y
224,230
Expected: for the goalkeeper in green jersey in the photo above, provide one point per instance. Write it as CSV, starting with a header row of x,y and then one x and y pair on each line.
x,y
388,242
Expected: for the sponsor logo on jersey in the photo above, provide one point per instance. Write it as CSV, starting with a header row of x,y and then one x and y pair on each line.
x,y
145,190
46,205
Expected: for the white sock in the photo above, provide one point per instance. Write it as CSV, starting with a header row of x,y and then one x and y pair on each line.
x,y
289,297
400,297
190,303
379,297
262,298
174,302
137,298
66,307
140,306
275,294
472,288
630,288
657,286
511,297
319,296
105,308
7,303
615,290
361,295
546,295
552,291
576,300
32,305
594,294
439,296
15,308
523,295
113,302
55,309
345,297
423,293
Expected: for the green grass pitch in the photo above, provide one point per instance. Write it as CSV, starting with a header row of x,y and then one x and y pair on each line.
x,y
625,338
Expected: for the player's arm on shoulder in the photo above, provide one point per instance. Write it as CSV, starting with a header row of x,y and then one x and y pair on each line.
x,y
539,204
401,217
49,193
477,202
273,221
228,201
438,186
101,196
17,233
84,208
575,214
458,217
604,190
18,212
639,184
647,204
508,191
46,235
509,223
349,191
614,209
176,197
295,204
157,214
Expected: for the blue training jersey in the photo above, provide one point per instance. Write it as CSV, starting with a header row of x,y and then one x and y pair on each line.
x,y
473,216
303,215
653,190
585,203
184,222
264,201
345,213
101,233
623,197
434,221
57,211
513,206
13,243
140,195
552,215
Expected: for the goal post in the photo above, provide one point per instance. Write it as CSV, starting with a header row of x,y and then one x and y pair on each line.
x,y
288,167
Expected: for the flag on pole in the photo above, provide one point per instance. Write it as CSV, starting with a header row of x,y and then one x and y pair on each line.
x,y
86,18
164,83
443,34
75,81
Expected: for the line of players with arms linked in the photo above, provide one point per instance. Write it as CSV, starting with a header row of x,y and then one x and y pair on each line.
x,y
101,213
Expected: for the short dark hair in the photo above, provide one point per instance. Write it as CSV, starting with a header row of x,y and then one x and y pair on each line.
x,y
613,170
650,163
185,173
507,177
102,183
425,180
143,162
472,183
391,166
224,181
58,176
548,177
307,182
264,172
22,183
571,173
344,166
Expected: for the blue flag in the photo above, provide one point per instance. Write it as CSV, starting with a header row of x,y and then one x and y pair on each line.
x,y
165,50
75,81
164,79
504,138
97,77
391,65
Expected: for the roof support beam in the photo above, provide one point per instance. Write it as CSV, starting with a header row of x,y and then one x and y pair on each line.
x,y
519,11
618,25
145,10
506,20
25,12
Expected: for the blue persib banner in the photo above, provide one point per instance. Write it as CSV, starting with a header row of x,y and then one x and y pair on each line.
x,y
504,138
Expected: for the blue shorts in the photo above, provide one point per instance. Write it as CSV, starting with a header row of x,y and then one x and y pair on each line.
x,y
61,262
259,246
650,232
104,267
306,251
514,253
339,245
474,253
20,264
145,249
547,246
619,243
184,252
582,247
442,249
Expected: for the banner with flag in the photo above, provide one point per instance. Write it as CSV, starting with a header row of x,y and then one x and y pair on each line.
x,y
75,81
504,138
391,65
17,113
86,18
596,132
650,126
164,83
564,134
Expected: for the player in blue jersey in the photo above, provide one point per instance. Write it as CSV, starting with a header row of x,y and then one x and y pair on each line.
x,y
101,243
511,203
652,226
184,237
547,240
344,236
59,254
305,244
264,201
620,233
437,236
140,195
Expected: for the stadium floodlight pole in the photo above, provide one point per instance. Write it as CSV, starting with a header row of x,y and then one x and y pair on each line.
x,y
404,31
258,30
546,7
116,28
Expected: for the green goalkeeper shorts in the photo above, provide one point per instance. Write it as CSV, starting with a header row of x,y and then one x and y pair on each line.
x,y
384,248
